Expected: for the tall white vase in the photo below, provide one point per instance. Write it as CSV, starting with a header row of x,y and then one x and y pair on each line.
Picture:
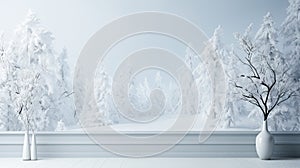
x,y
26,147
264,143
33,147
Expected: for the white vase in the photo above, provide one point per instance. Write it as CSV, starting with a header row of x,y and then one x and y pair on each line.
x,y
33,147
26,147
264,143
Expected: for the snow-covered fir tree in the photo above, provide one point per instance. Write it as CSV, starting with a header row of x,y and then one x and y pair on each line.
x,y
65,98
218,49
216,43
206,79
190,58
232,105
266,42
142,95
290,34
203,82
103,96
90,115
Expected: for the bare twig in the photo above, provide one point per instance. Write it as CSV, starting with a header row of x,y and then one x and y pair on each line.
x,y
267,89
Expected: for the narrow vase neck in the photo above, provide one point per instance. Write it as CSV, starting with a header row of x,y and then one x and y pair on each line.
x,y
265,126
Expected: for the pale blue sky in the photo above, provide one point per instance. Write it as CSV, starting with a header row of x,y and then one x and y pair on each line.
x,y
74,21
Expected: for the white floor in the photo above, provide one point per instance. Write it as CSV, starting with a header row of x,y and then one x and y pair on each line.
x,y
149,162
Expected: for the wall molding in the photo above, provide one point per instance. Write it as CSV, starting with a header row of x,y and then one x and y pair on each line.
x,y
219,144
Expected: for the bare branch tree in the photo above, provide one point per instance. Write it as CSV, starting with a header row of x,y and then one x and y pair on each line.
x,y
263,86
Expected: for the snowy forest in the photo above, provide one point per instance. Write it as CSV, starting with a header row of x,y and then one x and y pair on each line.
x,y
36,80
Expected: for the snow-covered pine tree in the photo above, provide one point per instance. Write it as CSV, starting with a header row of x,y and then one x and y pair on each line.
x,y
214,50
216,43
229,64
190,58
102,94
142,94
85,108
65,98
290,33
231,108
266,43
203,82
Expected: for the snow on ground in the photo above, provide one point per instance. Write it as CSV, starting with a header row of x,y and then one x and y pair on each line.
x,y
163,124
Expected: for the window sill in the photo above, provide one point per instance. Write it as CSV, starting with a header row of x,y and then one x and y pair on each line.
x,y
219,144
